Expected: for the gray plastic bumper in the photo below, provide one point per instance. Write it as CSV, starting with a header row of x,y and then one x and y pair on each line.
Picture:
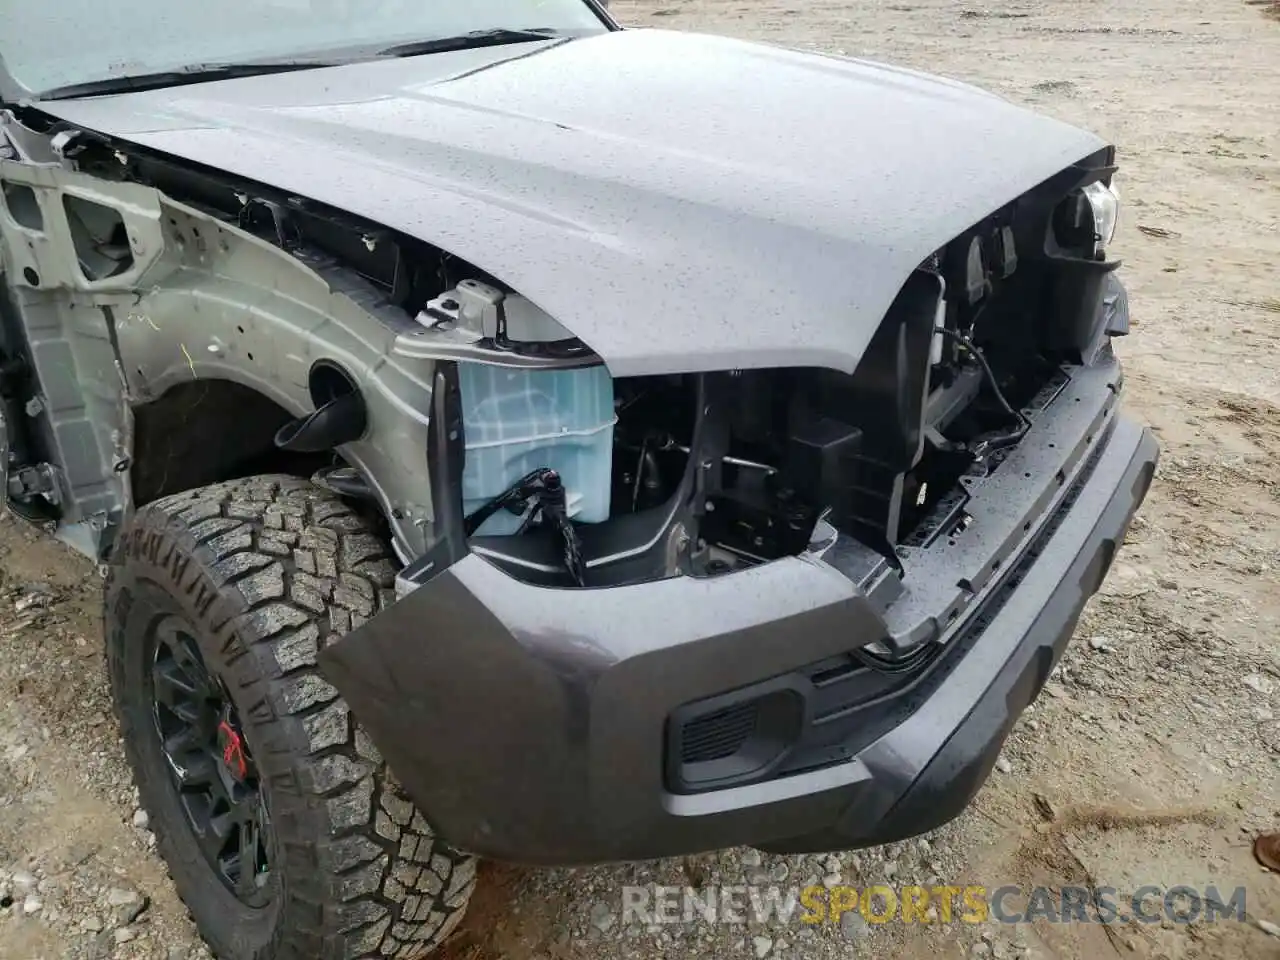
x,y
529,723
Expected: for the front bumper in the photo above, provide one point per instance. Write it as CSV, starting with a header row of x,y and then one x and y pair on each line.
x,y
529,723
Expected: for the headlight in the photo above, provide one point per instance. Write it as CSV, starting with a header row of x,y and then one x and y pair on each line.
x,y
1104,201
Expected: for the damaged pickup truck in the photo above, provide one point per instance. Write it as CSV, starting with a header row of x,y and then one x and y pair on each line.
x,y
508,435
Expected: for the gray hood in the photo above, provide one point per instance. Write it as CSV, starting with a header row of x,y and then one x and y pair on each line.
x,y
680,202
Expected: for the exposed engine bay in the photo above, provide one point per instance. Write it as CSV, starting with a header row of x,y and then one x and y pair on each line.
x,y
565,476
714,472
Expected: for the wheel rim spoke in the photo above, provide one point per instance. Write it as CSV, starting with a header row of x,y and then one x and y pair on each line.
x,y
219,828
176,691
248,851
197,771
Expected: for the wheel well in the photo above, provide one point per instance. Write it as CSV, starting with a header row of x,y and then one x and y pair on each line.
x,y
207,431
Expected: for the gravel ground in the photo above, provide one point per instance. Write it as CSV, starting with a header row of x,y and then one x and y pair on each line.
x,y
1154,755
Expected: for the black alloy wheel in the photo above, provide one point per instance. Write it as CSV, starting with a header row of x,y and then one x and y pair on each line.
x,y
286,834
210,764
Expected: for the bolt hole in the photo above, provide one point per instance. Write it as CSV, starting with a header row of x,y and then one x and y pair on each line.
x,y
195,231
241,329
1027,475
249,355
31,277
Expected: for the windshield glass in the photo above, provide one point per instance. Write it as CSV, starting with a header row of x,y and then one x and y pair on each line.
x,y
54,43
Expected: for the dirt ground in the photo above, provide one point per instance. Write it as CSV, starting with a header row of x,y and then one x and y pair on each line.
x,y
1154,756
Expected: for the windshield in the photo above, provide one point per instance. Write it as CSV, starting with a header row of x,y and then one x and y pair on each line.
x,y
46,44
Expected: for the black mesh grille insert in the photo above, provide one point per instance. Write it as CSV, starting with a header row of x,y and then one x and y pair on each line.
x,y
717,735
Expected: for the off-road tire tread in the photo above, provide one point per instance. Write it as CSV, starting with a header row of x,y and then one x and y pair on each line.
x,y
301,569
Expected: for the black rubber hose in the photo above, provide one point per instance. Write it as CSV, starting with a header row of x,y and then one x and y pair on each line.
x,y
341,420
983,447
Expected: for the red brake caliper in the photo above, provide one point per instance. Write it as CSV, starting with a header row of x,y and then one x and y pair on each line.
x,y
233,755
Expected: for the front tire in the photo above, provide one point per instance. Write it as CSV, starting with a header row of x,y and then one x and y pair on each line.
x,y
286,834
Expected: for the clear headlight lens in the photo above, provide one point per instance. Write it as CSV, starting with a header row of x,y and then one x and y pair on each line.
x,y
1105,202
